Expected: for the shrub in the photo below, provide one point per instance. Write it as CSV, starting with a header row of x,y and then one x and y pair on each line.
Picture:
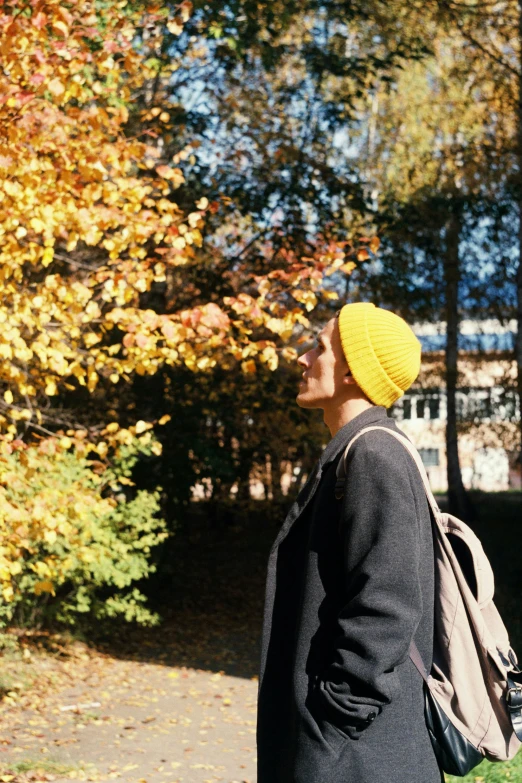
x,y
75,535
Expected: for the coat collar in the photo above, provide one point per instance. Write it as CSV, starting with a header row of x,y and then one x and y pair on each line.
x,y
372,415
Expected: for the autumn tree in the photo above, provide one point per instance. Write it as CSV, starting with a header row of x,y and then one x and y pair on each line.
x,y
492,36
89,225
431,151
259,141
90,222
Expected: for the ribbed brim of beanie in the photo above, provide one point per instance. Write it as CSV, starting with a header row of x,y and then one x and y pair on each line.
x,y
382,352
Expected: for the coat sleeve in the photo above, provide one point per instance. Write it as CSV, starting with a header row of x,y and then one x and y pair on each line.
x,y
382,603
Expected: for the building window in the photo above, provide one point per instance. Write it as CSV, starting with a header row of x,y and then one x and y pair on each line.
x,y
429,457
420,404
434,406
406,408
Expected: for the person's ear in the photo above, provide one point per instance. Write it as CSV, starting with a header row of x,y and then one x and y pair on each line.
x,y
348,377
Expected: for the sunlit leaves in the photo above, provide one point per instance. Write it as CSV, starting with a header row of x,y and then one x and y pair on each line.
x,y
308,298
65,522
89,221
70,180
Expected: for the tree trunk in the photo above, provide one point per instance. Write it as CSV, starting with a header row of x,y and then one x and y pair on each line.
x,y
243,477
277,492
459,502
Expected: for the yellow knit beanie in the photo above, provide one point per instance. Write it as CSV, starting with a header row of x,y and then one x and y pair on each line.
x,y
382,352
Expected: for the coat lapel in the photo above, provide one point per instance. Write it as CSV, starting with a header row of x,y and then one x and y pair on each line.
x,y
333,449
304,497
297,508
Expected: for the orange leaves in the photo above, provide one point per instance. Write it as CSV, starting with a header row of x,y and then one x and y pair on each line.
x,y
269,357
39,20
168,330
374,243
56,87
65,15
174,175
194,220
175,27
214,317
190,336
283,327
244,304
308,298
45,586
205,319
190,318
186,10
60,28
248,366
89,209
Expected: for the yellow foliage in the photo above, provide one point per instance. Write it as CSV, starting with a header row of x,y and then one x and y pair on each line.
x,y
44,587
55,515
75,186
66,182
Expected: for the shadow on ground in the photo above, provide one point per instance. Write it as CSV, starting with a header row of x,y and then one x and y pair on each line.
x,y
212,596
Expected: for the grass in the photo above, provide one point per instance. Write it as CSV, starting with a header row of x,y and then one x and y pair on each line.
x,y
47,766
493,772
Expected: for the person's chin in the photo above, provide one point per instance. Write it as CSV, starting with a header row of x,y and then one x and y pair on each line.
x,y
305,402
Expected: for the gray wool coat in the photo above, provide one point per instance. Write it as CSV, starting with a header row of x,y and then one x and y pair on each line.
x,y
350,582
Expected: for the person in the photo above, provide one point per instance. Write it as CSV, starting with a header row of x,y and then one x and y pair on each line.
x,y
350,582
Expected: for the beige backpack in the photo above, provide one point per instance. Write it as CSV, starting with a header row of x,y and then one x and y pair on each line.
x,y
474,690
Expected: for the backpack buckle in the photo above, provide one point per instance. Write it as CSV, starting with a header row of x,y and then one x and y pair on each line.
x,y
514,697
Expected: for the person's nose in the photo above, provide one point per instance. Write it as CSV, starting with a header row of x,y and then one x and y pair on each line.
x,y
302,360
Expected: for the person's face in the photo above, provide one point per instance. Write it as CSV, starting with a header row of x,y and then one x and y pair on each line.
x,y
324,370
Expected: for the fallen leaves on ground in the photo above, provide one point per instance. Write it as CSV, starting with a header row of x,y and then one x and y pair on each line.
x,y
175,704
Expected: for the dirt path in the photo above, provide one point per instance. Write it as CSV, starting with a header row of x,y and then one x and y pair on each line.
x,y
174,704
141,722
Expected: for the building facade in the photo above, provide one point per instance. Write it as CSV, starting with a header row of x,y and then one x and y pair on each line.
x,y
487,411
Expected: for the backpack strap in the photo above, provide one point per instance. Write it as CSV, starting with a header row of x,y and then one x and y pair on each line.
x,y
341,466
417,660
414,653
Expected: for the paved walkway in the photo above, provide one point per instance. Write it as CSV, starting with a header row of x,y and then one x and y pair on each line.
x,y
140,722
174,704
